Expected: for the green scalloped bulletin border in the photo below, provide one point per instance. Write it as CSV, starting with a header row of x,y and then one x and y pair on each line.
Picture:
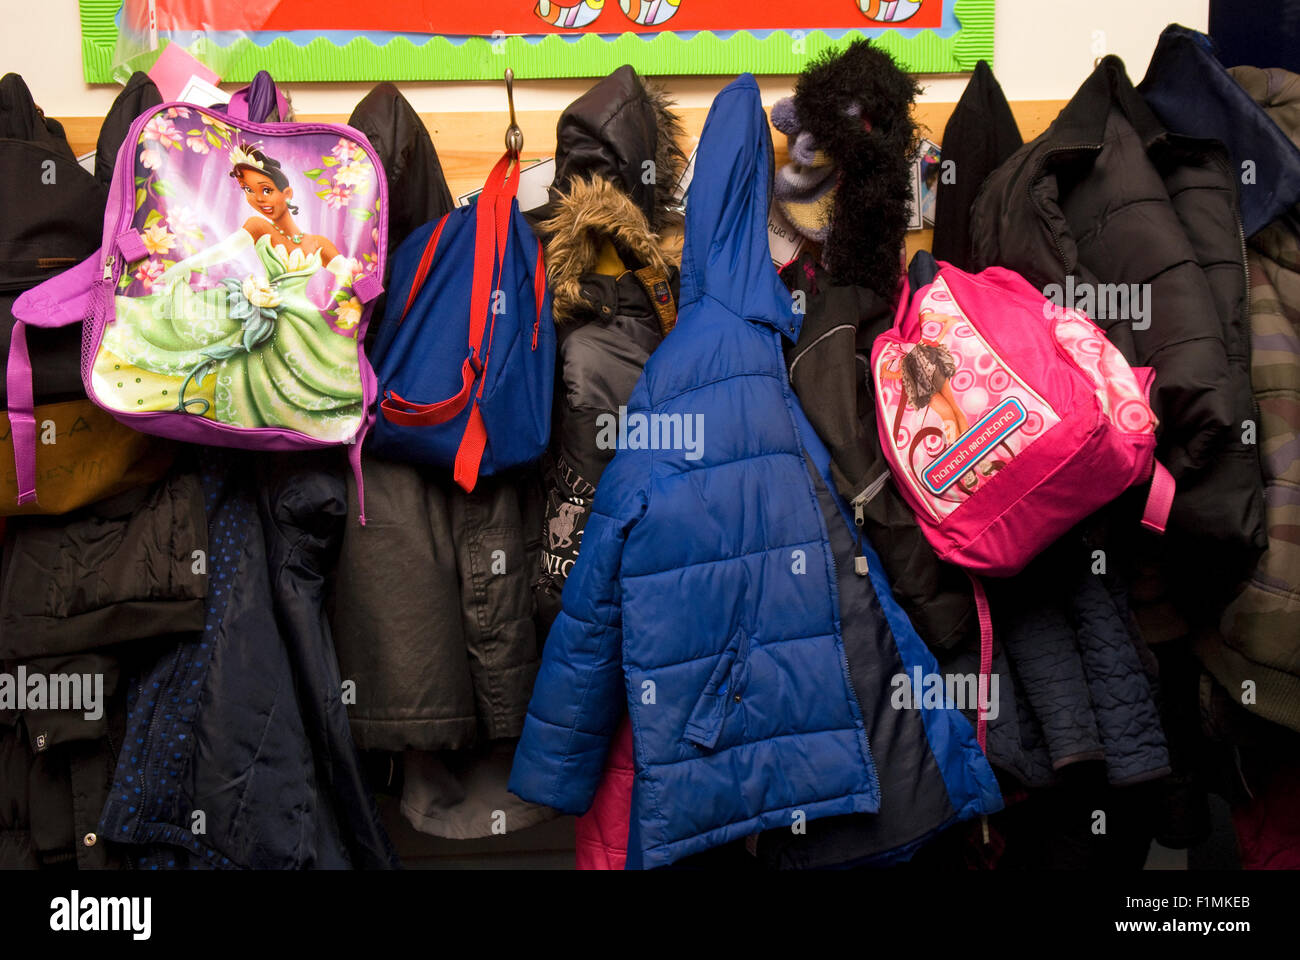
x,y
664,54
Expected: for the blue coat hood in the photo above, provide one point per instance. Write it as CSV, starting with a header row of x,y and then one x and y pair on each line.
x,y
706,595
726,256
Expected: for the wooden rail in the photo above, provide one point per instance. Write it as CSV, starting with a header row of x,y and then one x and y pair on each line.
x,y
469,143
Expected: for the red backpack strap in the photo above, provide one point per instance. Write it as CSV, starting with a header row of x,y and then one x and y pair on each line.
x,y
492,230
401,411
539,290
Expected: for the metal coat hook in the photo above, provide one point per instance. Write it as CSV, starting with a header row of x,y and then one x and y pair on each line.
x,y
514,136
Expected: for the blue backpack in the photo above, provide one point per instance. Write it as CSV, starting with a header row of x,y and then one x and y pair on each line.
x,y
465,356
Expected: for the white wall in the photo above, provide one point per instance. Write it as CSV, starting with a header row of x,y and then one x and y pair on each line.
x,y
1043,51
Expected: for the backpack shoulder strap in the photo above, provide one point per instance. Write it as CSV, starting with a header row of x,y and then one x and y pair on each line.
x,y
58,302
1160,498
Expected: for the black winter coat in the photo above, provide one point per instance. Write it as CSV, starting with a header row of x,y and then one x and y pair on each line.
x,y
244,721
445,656
980,135
613,284
97,591
1107,195
442,657
828,373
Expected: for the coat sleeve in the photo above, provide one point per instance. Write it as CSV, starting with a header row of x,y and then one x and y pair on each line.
x,y
580,693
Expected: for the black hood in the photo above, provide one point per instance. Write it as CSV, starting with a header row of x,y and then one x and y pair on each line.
x,y
53,217
22,119
610,132
139,94
417,189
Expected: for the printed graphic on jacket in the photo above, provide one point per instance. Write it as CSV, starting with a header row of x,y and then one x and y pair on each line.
x,y
568,505
958,413
243,311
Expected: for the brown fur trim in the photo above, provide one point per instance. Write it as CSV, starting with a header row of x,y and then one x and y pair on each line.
x,y
670,160
590,212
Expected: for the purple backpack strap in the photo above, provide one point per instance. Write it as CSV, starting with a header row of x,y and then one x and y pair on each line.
x,y
58,302
22,413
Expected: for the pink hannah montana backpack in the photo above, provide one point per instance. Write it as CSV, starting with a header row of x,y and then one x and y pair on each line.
x,y
229,300
1007,420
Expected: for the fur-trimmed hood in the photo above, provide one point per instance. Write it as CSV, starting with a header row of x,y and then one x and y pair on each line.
x,y
612,131
589,213
604,141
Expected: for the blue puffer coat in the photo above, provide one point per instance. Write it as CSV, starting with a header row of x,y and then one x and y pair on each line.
x,y
707,593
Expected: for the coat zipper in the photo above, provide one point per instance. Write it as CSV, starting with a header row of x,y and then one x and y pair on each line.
x,y
1033,179
1245,269
859,504
872,775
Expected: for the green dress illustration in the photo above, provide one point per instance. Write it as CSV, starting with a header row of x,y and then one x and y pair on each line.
x,y
253,352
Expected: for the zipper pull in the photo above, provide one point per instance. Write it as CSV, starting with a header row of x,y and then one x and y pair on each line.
x,y
860,566
859,515
536,326
108,268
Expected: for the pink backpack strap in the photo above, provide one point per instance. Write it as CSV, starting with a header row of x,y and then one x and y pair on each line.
x,y
986,660
1155,516
1160,499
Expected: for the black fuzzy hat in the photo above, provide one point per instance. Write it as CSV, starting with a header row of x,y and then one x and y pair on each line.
x,y
857,104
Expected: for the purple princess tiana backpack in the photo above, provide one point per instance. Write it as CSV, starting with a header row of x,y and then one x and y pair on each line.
x,y
229,300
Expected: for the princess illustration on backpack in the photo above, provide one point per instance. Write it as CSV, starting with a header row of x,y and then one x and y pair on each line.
x,y
252,349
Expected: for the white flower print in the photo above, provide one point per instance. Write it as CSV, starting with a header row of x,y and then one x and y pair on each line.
x,y
258,292
161,129
355,173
